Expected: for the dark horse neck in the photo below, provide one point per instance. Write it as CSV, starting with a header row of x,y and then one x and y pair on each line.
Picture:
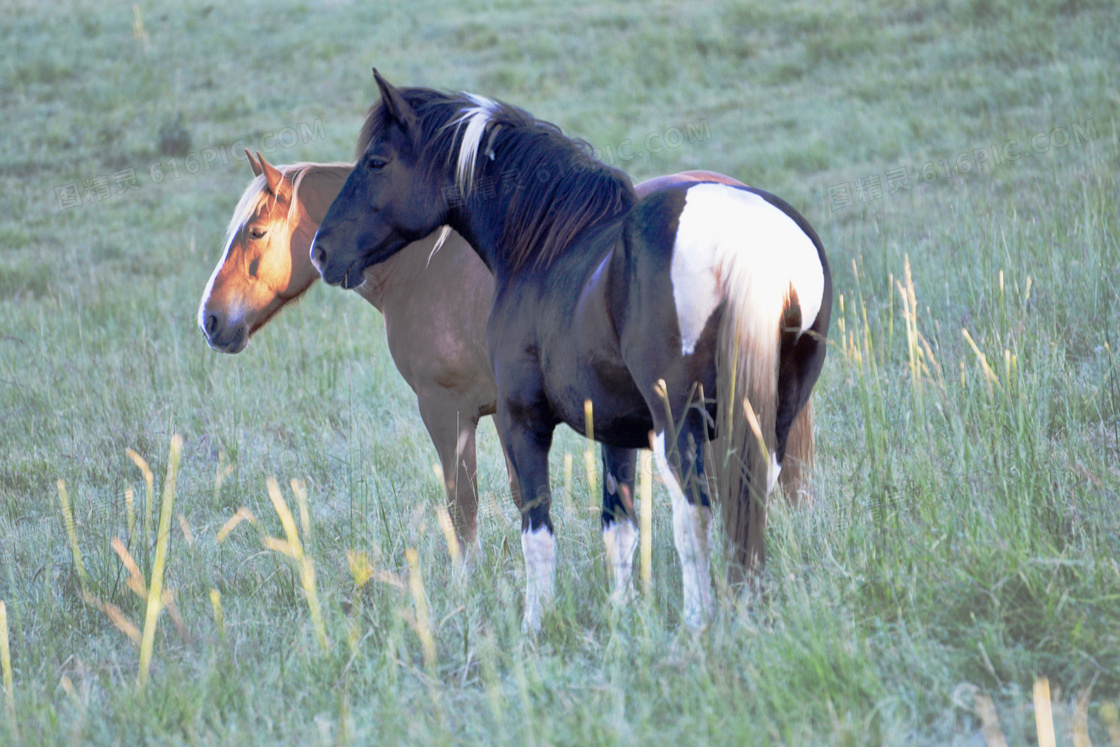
x,y
484,230
524,213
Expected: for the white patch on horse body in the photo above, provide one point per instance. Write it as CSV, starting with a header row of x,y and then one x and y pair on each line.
x,y
475,118
539,548
692,525
720,224
621,539
772,474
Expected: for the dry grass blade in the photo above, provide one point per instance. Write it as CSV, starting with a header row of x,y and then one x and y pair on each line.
x,y
304,514
135,578
280,546
589,453
219,616
756,429
293,549
645,493
307,579
243,514
72,534
185,528
361,569
989,374
120,620
1111,715
448,529
149,492
130,509
6,667
567,474
1043,714
176,618
989,722
1081,720
68,688
422,623
390,578
163,541
286,519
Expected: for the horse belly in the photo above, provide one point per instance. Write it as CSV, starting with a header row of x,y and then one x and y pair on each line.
x,y
619,414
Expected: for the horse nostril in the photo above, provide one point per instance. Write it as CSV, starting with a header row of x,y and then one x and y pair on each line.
x,y
211,325
320,256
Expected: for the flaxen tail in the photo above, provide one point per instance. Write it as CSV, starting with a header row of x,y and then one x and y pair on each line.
x,y
797,467
756,298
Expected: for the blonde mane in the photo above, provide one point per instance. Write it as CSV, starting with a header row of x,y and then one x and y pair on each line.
x,y
322,180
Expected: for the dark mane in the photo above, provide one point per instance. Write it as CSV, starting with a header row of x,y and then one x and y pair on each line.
x,y
543,187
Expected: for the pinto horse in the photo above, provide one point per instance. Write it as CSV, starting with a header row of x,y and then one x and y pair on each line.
x,y
642,307
435,308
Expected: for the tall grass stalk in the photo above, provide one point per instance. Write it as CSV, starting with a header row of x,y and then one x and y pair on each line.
x,y
423,623
447,527
589,455
6,669
130,514
294,549
219,616
989,721
645,536
159,565
1043,713
72,535
149,493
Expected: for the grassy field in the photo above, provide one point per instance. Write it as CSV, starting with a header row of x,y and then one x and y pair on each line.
x,y
959,161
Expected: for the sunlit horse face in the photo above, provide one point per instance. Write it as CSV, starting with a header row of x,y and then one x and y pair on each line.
x,y
385,204
266,263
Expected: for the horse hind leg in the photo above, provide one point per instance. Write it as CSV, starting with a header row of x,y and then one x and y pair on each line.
x,y
452,432
620,530
680,460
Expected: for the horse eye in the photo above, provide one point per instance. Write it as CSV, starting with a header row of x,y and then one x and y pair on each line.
x,y
375,163
257,233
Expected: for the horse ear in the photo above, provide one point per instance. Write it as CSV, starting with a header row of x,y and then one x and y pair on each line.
x,y
272,175
256,167
394,103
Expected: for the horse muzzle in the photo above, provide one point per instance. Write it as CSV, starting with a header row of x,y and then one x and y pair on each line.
x,y
333,269
221,336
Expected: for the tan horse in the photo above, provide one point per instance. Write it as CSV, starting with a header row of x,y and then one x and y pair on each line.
x,y
435,305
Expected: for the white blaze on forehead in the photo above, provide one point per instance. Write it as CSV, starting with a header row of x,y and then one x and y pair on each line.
x,y
472,120
251,203
233,312
722,230
692,535
539,548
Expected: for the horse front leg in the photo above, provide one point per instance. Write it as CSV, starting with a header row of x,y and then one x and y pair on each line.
x,y
620,530
452,431
527,439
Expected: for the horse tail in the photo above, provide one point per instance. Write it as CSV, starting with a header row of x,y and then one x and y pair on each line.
x,y
800,456
758,303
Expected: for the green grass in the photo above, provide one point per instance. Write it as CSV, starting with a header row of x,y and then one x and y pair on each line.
x,y
966,539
